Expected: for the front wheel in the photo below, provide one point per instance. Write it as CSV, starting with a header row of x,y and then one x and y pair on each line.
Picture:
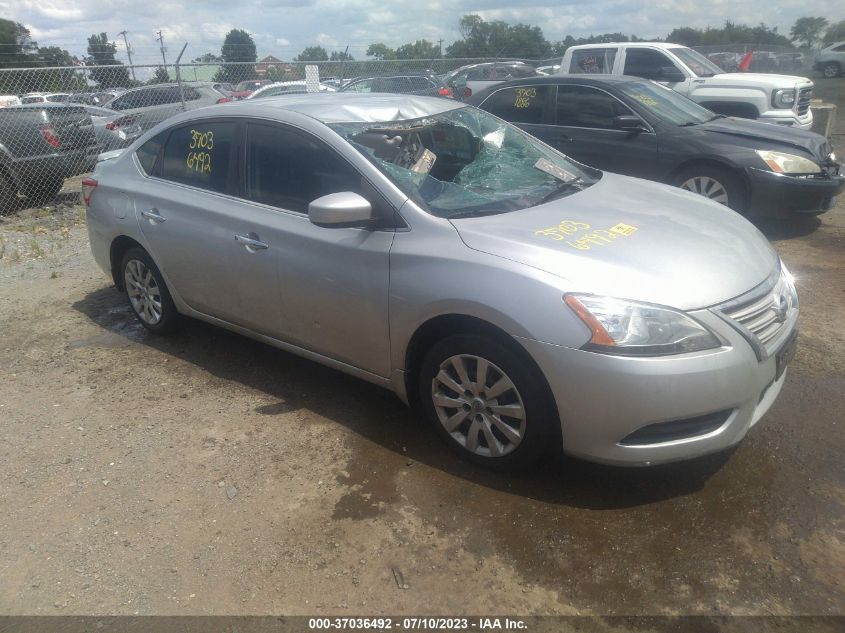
x,y
831,70
714,183
147,293
487,402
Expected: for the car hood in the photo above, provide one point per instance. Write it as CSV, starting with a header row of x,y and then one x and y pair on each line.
x,y
766,79
633,239
767,133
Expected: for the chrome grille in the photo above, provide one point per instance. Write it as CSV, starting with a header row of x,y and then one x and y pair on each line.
x,y
805,95
764,315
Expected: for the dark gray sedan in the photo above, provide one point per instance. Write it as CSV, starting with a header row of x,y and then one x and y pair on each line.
x,y
639,128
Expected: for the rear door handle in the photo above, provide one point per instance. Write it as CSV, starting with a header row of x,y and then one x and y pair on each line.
x,y
251,242
153,216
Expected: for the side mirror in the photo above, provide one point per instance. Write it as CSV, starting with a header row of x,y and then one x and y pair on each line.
x,y
338,210
628,123
670,74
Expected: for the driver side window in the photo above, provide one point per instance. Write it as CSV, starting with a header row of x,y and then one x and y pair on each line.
x,y
646,63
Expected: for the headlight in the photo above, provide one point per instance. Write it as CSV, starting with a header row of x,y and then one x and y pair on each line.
x,y
788,163
784,98
628,328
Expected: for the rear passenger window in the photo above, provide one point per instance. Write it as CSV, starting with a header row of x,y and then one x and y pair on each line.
x,y
286,169
522,104
580,106
148,153
199,155
592,60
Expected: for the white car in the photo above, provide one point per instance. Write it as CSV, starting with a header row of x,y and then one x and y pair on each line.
x,y
287,87
782,99
45,97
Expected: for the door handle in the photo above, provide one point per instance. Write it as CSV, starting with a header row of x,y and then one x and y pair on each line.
x,y
251,242
153,216
561,138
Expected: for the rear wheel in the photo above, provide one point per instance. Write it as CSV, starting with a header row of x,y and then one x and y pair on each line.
x,y
46,191
488,403
9,201
831,70
147,293
714,183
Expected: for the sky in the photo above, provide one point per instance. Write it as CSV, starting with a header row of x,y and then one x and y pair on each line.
x,y
284,27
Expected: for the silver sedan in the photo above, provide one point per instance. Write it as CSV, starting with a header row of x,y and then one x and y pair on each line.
x,y
523,301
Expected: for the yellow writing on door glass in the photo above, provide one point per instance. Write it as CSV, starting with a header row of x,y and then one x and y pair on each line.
x,y
524,96
199,161
204,140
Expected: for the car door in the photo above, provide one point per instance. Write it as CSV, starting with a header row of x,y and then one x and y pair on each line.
x,y
530,106
584,130
654,64
192,222
333,282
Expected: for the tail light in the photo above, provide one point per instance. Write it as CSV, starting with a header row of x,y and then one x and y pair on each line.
x,y
88,186
224,100
49,134
445,92
124,120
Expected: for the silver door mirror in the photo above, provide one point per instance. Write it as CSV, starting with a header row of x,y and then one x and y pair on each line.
x,y
340,209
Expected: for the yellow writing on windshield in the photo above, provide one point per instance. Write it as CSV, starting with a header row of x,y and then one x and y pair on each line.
x,y
646,100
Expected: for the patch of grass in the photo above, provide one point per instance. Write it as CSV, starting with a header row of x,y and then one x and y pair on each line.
x,y
35,247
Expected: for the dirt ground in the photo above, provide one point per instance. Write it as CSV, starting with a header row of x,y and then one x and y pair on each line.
x,y
210,474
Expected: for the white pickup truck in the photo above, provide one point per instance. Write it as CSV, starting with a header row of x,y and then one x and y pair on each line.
x,y
782,99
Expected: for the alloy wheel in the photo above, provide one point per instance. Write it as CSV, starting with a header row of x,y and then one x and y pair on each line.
x,y
478,405
831,70
708,187
143,290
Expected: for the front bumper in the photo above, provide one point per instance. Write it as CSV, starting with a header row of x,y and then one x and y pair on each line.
x,y
604,399
788,117
776,194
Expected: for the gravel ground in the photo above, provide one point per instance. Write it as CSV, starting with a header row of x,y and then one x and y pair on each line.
x,y
209,474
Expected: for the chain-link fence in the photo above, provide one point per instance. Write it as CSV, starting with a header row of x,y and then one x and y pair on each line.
x,y
55,121
764,58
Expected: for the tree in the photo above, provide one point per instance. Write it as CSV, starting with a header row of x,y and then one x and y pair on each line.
x,y
341,56
160,76
730,33
836,33
207,58
498,39
808,31
421,49
101,53
380,51
312,54
239,55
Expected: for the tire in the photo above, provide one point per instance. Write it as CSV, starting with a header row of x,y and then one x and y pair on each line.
x,y
716,183
831,70
479,427
46,191
9,201
147,294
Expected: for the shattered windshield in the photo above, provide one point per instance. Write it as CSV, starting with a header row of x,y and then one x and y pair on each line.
x,y
466,162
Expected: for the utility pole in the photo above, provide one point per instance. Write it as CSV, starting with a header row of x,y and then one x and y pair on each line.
x,y
160,39
440,46
128,54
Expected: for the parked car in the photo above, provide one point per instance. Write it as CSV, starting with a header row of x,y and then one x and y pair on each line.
x,y
153,104
831,60
522,300
770,98
639,128
727,61
246,88
44,97
114,130
286,87
794,61
423,85
548,70
467,80
40,146
9,100
92,98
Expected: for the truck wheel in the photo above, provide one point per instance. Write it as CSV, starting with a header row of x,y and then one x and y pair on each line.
x,y
8,195
716,183
831,70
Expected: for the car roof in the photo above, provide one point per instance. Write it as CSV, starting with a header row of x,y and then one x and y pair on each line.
x,y
342,107
597,80
664,45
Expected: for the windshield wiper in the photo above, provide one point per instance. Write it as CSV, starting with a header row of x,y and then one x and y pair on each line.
x,y
473,214
577,184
